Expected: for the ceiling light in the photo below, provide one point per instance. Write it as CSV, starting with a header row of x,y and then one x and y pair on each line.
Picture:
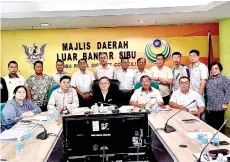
x,y
142,21
45,24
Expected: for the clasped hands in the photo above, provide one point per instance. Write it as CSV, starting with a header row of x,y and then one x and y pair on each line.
x,y
27,114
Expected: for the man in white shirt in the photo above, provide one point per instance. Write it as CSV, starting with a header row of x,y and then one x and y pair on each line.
x,y
146,96
163,75
185,96
63,97
178,70
82,82
60,71
140,71
104,69
198,72
126,78
13,79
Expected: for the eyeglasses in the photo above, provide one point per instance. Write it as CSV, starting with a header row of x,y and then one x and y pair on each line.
x,y
104,83
184,82
214,68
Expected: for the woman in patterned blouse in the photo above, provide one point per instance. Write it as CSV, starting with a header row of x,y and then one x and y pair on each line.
x,y
18,108
217,96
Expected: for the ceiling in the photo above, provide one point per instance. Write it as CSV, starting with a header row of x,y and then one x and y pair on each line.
x,y
79,14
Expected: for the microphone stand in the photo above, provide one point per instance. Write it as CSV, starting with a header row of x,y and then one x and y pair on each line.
x,y
169,128
144,106
199,160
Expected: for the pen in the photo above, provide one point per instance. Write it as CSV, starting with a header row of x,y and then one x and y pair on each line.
x,y
3,160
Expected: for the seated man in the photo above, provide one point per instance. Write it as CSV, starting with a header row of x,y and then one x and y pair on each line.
x,y
146,96
64,96
106,94
184,96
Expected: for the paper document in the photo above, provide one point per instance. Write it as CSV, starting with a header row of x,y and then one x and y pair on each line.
x,y
12,134
188,120
38,118
194,135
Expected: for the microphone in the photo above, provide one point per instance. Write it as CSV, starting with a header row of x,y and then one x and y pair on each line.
x,y
168,128
144,106
43,135
148,102
226,120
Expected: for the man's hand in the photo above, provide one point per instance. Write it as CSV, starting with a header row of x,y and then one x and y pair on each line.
x,y
224,107
139,105
163,80
84,96
195,113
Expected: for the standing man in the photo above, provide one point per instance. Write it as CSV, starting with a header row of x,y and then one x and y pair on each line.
x,y
126,78
13,79
82,82
178,70
163,75
198,72
140,71
60,71
38,86
104,69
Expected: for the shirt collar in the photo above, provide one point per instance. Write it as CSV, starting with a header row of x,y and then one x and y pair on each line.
x,y
138,71
212,77
62,72
60,91
79,72
107,67
198,64
43,75
150,89
11,76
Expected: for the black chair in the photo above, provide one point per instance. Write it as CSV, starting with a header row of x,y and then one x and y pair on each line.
x,y
114,85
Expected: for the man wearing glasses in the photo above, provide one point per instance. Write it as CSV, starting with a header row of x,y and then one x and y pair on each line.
x,y
106,94
140,71
163,75
126,77
184,96
198,72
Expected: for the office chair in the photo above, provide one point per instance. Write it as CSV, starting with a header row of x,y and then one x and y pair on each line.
x,y
153,84
52,88
114,85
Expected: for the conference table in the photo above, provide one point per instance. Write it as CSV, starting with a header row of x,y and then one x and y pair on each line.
x,y
39,150
171,141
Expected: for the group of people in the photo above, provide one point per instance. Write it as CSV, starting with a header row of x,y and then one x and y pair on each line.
x,y
160,85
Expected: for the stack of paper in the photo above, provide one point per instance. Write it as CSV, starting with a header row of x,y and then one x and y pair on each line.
x,y
12,134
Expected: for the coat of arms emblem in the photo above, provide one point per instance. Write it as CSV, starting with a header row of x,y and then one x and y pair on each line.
x,y
34,53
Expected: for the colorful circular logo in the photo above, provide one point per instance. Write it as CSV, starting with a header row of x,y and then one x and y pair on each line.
x,y
157,43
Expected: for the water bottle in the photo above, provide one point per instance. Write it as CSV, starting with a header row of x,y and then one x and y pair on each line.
x,y
56,114
95,109
219,158
26,135
155,108
31,133
19,149
101,108
224,159
216,140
